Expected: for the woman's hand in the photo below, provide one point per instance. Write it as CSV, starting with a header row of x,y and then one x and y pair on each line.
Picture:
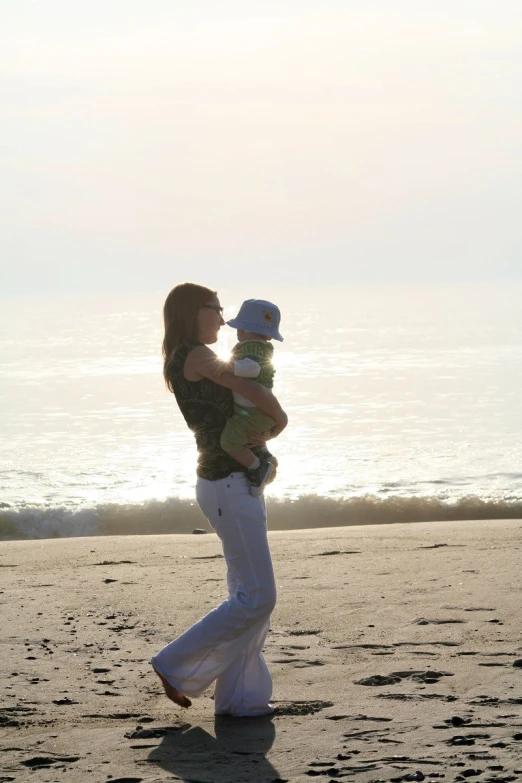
x,y
267,403
257,438
260,438
280,423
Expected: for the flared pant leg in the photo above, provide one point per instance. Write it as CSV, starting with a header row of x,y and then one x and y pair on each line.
x,y
245,687
226,644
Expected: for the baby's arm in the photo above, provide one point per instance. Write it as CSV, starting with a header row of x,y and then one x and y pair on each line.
x,y
203,363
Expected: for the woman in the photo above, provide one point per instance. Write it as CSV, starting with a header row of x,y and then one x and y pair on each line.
x,y
226,644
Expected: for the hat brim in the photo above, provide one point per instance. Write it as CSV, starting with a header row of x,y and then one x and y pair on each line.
x,y
238,323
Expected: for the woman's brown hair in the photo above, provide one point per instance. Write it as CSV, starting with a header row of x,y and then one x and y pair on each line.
x,y
180,318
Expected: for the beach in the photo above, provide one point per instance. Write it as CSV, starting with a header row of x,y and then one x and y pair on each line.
x,y
182,183
395,650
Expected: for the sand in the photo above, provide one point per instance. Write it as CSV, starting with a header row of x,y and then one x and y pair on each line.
x,y
396,653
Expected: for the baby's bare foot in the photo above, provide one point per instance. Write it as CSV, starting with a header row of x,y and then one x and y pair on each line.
x,y
173,694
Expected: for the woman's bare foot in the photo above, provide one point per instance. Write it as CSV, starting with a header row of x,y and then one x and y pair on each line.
x,y
173,694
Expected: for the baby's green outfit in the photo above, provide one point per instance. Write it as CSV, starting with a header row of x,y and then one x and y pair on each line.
x,y
247,417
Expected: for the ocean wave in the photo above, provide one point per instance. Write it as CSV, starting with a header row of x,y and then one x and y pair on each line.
x,y
182,516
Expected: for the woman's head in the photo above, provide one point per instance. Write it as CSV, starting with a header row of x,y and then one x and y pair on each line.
x,y
190,312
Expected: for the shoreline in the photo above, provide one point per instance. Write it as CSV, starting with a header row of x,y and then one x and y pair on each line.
x,y
323,528
182,516
388,643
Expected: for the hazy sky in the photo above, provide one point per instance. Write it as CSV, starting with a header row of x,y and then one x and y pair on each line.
x,y
143,142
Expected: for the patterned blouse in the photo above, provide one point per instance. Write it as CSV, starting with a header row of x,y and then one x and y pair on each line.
x,y
205,406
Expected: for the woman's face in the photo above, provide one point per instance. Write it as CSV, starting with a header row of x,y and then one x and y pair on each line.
x,y
210,321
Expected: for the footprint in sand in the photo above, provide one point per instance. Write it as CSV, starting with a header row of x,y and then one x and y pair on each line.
x,y
424,621
466,739
156,732
119,716
12,716
379,679
300,663
300,707
114,562
417,696
439,546
125,780
42,762
66,701
359,717
395,677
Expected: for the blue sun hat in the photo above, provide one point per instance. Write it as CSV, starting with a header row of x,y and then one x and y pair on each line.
x,y
260,316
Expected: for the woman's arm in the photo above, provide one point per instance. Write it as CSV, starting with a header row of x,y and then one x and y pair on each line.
x,y
267,402
203,363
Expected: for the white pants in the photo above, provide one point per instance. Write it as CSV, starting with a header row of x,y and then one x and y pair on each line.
x,y
226,644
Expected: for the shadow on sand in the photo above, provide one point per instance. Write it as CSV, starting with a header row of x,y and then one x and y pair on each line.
x,y
235,755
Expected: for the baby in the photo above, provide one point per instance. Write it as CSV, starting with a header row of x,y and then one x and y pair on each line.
x,y
257,323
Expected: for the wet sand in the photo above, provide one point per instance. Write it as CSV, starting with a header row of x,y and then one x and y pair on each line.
x,y
396,653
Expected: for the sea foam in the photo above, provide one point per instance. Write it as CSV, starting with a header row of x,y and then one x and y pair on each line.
x,y
176,515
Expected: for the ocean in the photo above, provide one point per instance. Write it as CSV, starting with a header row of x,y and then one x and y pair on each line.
x,y
404,404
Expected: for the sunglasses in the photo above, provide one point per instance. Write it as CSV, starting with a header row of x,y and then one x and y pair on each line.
x,y
216,308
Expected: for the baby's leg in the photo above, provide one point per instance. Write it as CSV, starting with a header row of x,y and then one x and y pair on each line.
x,y
234,439
235,435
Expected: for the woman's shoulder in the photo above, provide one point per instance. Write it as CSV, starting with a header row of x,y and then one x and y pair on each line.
x,y
183,350
178,357
196,349
187,346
